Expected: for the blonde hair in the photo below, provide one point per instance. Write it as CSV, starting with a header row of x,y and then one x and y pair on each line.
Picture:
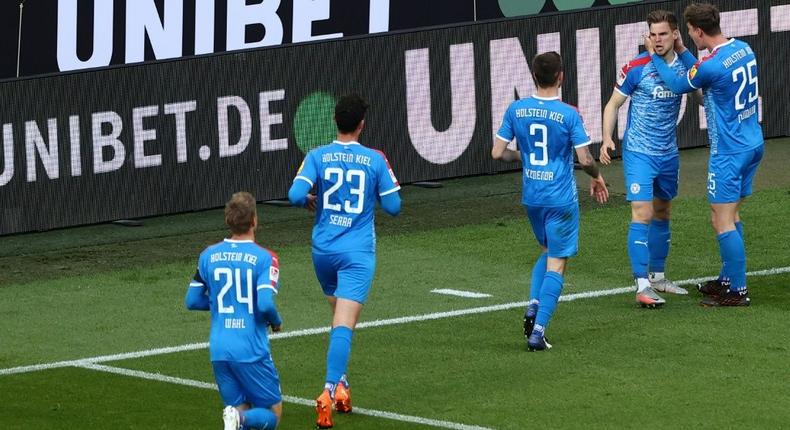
x,y
240,212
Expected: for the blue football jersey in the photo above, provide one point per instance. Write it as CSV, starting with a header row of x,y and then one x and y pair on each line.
x,y
654,108
547,131
728,78
350,179
233,271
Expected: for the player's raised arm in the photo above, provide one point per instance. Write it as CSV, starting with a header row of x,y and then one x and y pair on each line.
x,y
679,84
598,188
609,122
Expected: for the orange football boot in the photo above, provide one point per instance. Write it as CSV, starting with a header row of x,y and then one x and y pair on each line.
x,y
323,407
343,398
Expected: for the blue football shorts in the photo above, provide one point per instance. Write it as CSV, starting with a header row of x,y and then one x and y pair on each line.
x,y
346,275
730,175
648,176
257,383
556,228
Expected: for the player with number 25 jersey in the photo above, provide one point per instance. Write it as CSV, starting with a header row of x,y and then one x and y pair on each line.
x,y
729,80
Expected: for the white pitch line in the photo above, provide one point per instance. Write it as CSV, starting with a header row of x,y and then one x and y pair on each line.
x,y
288,399
366,324
460,293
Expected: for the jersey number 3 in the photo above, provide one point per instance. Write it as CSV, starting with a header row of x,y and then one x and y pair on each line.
x,y
540,143
339,177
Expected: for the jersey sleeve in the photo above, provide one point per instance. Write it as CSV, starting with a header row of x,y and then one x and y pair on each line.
x,y
678,83
308,171
506,132
387,182
269,274
701,74
579,135
197,294
627,79
198,279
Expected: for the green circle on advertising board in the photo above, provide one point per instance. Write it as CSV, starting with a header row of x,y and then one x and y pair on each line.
x,y
623,1
314,123
572,4
511,8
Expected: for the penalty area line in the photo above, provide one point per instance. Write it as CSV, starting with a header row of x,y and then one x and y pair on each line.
x,y
287,399
366,324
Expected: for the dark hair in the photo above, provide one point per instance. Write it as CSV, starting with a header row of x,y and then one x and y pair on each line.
x,y
546,69
658,16
240,212
349,112
703,16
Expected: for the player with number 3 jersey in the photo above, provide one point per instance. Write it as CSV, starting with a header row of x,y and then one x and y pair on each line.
x,y
548,131
349,180
729,80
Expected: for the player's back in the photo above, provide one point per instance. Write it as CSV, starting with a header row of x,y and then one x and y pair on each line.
x,y
350,179
547,130
728,77
654,108
233,271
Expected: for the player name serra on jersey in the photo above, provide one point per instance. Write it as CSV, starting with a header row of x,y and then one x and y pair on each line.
x,y
349,179
547,131
654,108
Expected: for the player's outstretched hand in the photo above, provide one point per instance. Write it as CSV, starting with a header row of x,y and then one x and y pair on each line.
x,y
310,203
276,328
608,144
598,190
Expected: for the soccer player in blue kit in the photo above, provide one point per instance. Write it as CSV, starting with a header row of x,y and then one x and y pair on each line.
x,y
650,157
547,132
236,280
349,179
728,79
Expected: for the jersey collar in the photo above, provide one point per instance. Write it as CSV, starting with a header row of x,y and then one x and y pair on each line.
x,y
346,143
723,44
546,98
238,241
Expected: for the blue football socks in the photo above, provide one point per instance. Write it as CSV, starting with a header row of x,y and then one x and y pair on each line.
x,y
338,353
733,258
259,418
638,250
549,296
658,239
538,271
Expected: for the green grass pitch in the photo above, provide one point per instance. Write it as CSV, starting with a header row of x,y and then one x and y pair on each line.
x,y
87,292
